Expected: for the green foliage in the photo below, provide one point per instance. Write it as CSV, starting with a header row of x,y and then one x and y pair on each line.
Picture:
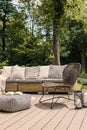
x,y
74,9
84,76
27,56
29,31
76,42
4,63
73,32
58,7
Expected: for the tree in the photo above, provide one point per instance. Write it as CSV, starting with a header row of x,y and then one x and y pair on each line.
x,y
78,43
24,46
6,10
42,29
50,13
58,10
76,25
5,6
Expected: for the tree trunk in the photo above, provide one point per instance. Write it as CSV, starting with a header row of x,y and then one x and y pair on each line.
x,y
57,14
5,8
3,38
56,46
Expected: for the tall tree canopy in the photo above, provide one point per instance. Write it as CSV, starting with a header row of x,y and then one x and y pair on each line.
x,y
45,29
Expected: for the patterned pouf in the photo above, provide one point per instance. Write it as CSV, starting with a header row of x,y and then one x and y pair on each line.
x,y
15,103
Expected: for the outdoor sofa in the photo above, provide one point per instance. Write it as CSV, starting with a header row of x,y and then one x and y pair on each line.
x,y
30,79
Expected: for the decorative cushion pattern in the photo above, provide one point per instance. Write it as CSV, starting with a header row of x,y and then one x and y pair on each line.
x,y
56,71
31,72
15,102
44,71
18,72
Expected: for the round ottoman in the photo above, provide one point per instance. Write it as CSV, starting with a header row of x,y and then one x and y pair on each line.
x,y
15,102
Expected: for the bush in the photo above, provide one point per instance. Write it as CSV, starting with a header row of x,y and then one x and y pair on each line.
x,y
4,63
83,75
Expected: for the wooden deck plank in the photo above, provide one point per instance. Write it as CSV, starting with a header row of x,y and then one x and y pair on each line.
x,y
84,123
3,114
20,118
33,121
64,124
63,116
13,117
9,117
77,120
52,124
41,123
18,123
15,123
59,117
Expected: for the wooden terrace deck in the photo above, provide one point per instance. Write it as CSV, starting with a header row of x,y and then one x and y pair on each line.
x,y
63,116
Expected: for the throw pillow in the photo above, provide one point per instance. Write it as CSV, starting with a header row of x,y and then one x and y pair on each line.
x,y
18,72
56,71
31,72
44,71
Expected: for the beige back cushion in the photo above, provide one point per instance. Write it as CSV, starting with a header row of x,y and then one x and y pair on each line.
x,y
32,72
44,71
56,71
18,72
